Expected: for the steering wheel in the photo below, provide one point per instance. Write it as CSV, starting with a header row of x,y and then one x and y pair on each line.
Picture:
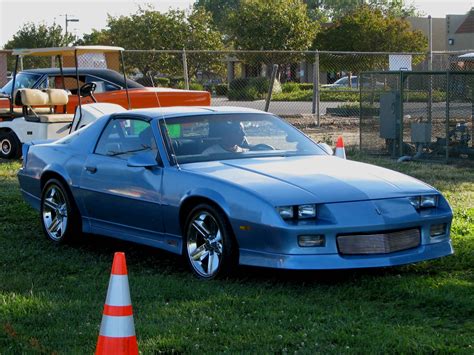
x,y
262,146
88,90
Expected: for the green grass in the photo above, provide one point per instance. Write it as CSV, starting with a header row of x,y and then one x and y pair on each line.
x,y
352,95
51,297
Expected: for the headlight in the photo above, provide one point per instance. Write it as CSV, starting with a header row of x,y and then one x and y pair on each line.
x,y
286,212
297,212
422,202
306,211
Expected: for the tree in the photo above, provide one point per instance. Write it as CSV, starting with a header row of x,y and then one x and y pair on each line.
x,y
271,25
369,30
37,36
174,30
220,10
335,9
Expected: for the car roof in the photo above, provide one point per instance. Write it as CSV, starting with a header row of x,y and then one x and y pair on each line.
x,y
179,111
107,74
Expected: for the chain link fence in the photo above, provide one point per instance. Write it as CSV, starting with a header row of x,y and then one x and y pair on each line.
x,y
417,115
311,89
320,91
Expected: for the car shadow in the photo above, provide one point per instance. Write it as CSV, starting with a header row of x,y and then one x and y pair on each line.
x,y
154,260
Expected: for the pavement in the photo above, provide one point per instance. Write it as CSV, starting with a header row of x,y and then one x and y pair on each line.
x,y
415,109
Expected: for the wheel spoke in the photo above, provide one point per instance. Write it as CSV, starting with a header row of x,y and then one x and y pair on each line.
x,y
199,253
51,204
212,262
54,226
199,227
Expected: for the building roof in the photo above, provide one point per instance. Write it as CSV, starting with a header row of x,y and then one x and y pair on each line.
x,y
467,26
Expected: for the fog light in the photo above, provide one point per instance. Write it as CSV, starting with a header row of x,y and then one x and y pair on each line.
x,y
311,240
438,229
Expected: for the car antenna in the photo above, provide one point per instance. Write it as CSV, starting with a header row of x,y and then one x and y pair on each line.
x,y
173,153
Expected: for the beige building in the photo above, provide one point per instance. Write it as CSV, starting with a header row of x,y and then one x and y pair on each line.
x,y
452,33
460,31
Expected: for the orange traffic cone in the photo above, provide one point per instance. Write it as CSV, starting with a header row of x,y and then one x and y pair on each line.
x,y
117,331
340,151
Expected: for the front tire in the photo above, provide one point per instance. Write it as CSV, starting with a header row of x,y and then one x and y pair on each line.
x,y
209,245
10,145
59,215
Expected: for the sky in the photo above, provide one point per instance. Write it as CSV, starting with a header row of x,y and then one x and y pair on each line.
x,y
93,13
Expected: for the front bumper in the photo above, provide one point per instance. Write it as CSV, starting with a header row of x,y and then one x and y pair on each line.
x,y
275,244
337,261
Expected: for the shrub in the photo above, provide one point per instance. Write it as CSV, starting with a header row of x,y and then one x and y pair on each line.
x,y
196,86
247,93
290,87
306,86
192,86
221,89
163,82
251,88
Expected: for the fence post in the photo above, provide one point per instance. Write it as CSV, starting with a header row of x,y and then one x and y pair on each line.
x,y
447,114
270,89
315,108
430,67
185,70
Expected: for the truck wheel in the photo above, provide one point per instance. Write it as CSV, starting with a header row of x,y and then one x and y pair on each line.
x,y
10,145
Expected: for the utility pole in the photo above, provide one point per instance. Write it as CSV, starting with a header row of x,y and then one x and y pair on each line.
x,y
68,19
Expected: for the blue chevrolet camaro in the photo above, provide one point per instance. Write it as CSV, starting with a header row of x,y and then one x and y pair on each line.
x,y
224,186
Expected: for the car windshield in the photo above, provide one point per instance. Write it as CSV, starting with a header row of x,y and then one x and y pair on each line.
x,y
23,80
233,136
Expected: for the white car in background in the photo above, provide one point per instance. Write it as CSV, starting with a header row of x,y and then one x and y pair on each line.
x,y
343,83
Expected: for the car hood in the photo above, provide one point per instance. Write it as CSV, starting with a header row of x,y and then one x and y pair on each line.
x,y
313,179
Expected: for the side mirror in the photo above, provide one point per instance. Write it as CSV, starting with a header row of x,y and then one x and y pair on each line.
x,y
326,148
142,160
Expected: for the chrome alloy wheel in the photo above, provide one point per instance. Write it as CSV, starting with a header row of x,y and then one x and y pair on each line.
x,y
6,146
204,244
55,215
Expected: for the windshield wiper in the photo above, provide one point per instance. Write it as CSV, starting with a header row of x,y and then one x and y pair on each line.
x,y
145,147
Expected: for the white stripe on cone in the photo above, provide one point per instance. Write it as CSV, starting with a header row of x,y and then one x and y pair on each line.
x,y
117,327
118,293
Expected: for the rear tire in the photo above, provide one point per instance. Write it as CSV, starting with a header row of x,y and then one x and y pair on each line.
x,y
10,145
209,245
59,215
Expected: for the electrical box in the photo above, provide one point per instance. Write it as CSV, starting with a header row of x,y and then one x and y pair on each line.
x,y
389,115
420,132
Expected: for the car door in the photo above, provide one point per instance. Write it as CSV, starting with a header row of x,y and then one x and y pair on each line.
x,y
115,195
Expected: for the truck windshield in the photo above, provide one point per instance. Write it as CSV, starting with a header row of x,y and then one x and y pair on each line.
x,y
23,80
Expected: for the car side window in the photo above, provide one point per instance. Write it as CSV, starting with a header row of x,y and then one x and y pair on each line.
x,y
70,82
102,85
125,137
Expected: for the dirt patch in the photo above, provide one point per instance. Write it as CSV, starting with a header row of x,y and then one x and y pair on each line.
x,y
329,129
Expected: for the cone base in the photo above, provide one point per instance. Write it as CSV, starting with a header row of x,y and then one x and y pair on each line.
x,y
116,346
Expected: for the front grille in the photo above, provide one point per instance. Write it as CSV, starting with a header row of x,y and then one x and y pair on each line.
x,y
378,243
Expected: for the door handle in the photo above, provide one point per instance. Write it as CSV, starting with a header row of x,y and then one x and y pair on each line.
x,y
91,169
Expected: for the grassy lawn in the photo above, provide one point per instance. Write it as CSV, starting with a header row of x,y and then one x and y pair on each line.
x,y
51,298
